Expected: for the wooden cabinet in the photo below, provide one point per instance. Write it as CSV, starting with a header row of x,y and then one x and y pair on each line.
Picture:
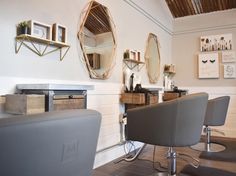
x,y
170,95
132,100
25,104
61,102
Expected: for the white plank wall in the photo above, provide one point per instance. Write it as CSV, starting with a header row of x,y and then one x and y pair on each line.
x,y
109,132
230,125
106,100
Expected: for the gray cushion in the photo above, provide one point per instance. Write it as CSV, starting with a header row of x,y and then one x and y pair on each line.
x,y
216,111
61,143
173,123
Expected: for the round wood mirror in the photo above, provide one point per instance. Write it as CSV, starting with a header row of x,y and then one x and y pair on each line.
x,y
152,58
97,40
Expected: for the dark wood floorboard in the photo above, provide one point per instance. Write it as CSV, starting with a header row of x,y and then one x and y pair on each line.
x,y
143,166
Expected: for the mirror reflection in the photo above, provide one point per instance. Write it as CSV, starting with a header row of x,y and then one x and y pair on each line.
x,y
152,58
97,40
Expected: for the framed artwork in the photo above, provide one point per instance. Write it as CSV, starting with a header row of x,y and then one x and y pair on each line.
x,y
228,56
208,65
216,42
59,33
229,71
40,30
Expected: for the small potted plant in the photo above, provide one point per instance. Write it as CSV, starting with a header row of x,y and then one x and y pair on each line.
x,y
23,28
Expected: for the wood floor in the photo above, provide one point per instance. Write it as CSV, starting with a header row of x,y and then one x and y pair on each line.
x,y
143,166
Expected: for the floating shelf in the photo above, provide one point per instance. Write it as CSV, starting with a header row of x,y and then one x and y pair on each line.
x,y
131,64
169,72
30,42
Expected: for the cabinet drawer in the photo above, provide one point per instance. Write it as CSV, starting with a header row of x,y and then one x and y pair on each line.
x,y
61,104
133,98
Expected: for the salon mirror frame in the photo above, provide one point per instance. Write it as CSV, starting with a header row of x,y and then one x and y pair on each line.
x,y
152,58
97,19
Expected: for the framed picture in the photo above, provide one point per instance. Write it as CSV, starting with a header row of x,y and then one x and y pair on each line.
x,y
229,71
208,65
40,30
59,33
228,56
216,42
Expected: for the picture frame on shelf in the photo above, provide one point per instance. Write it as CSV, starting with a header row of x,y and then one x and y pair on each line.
x,y
132,54
59,33
40,30
229,71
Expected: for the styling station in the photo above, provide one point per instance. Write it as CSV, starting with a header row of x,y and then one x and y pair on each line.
x,y
58,96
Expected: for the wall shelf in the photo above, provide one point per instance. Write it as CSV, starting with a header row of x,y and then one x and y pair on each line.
x,y
50,46
170,73
169,70
131,64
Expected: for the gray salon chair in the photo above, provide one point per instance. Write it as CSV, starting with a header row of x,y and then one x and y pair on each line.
x,y
58,143
215,116
175,123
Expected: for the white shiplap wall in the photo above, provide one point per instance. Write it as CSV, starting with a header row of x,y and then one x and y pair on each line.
x,y
105,99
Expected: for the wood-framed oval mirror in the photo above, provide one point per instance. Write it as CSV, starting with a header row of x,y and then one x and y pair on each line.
x,y
152,58
97,40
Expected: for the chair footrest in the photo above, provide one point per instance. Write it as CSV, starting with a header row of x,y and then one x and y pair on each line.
x,y
214,147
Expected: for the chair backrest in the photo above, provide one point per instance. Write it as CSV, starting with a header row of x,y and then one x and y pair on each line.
x,y
216,111
61,143
176,122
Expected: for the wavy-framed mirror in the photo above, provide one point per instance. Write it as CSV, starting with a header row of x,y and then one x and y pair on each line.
x,y
97,40
152,58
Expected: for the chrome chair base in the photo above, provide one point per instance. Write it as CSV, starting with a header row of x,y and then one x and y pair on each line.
x,y
161,174
212,147
166,174
172,156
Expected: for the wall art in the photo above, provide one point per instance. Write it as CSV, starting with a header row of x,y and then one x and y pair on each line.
x,y
216,42
229,71
228,56
208,65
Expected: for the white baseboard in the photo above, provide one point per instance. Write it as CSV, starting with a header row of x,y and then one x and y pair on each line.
x,y
112,154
